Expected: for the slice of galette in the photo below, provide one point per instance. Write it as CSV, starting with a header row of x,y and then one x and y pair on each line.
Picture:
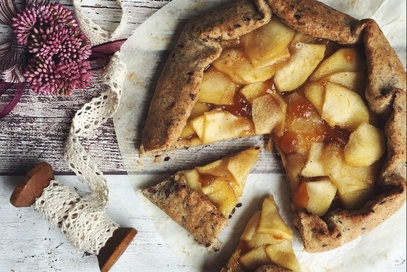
x,y
328,89
202,199
265,244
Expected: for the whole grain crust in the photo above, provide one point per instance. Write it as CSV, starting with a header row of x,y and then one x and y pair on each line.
x,y
198,46
190,209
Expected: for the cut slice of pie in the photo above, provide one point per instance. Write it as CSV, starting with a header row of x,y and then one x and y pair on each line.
x,y
265,244
328,89
202,199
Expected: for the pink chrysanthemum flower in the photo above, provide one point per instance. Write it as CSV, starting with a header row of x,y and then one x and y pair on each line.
x,y
58,50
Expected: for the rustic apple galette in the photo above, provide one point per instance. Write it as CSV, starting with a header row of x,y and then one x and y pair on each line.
x,y
326,87
202,199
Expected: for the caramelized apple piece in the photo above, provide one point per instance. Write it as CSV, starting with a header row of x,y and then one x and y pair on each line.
x,y
192,179
271,221
345,177
251,227
343,107
351,80
254,90
320,195
216,88
313,167
239,167
343,60
218,125
299,67
255,258
221,194
283,255
315,93
234,63
266,114
366,145
268,44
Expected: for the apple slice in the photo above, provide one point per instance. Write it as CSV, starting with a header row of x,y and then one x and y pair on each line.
x,y
299,67
313,166
221,194
187,131
283,255
254,258
271,221
251,227
254,90
234,63
293,164
198,110
343,107
197,125
192,179
263,239
320,196
218,125
216,88
216,168
345,177
266,114
269,43
343,60
315,93
240,165
279,128
366,145
352,80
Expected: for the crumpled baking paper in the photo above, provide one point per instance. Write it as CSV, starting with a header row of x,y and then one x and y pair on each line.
x,y
144,54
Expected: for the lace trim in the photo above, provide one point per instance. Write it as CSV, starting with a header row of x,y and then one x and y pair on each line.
x,y
86,226
91,116
92,30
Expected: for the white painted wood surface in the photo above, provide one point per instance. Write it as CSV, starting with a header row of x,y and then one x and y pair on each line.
x,y
35,131
30,243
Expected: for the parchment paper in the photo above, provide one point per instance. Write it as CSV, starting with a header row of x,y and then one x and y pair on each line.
x,y
144,54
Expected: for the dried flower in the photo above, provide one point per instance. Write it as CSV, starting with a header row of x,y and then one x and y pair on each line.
x,y
58,50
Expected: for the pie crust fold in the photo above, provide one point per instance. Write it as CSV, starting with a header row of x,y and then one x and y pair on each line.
x,y
189,208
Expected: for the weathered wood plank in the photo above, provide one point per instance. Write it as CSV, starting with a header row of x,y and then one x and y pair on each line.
x,y
37,128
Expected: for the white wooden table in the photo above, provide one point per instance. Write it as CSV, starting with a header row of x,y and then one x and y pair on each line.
x,y
36,131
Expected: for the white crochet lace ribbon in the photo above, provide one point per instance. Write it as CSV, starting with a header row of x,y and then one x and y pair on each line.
x,y
86,226
93,31
91,116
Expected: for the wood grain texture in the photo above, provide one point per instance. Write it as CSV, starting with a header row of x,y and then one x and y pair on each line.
x,y
37,128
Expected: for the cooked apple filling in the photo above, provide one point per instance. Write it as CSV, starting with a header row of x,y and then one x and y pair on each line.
x,y
223,181
308,94
266,240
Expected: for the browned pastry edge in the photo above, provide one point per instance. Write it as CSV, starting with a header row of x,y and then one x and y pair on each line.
x,y
198,46
385,93
189,208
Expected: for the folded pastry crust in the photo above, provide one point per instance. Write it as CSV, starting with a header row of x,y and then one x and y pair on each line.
x,y
190,209
199,45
